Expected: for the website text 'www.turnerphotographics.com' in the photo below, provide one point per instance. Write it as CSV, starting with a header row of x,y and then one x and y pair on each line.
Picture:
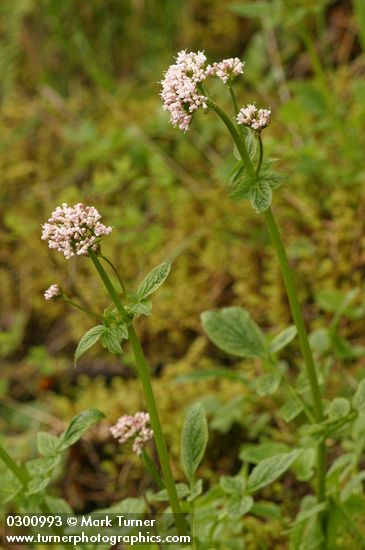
x,y
96,528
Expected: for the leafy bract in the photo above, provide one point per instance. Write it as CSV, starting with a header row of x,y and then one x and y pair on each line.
x,y
78,426
261,196
142,307
88,340
153,280
258,189
112,336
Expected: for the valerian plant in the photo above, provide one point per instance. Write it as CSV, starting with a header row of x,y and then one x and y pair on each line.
x,y
77,231
320,519
216,515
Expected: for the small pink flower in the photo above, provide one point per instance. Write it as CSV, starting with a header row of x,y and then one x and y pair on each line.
x,y
135,427
227,70
73,230
254,118
53,293
181,93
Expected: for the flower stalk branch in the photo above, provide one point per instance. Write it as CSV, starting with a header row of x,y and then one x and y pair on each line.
x,y
151,466
261,154
115,271
83,309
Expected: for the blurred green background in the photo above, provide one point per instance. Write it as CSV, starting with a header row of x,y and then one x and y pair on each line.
x,y
81,121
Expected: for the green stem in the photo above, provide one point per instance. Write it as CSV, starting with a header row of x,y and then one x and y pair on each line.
x,y
84,309
261,154
108,285
19,472
234,100
121,282
305,348
160,442
296,312
144,376
152,468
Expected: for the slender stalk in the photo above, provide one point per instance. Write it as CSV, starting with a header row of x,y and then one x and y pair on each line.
x,y
261,154
234,100
306,351
296,312
108,285
121,282
237,139
20,473
241,129
84,309
151,466
160,442
144,376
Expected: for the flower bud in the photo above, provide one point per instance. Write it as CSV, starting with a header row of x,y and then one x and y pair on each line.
x,y
53,293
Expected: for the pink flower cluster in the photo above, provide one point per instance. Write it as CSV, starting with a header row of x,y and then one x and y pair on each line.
x,y
53,293
133,427
254,118
180,88
182,92
227,70
73,230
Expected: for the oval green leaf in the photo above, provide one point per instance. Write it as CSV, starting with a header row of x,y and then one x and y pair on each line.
x,y
194,439
233,331
270,469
